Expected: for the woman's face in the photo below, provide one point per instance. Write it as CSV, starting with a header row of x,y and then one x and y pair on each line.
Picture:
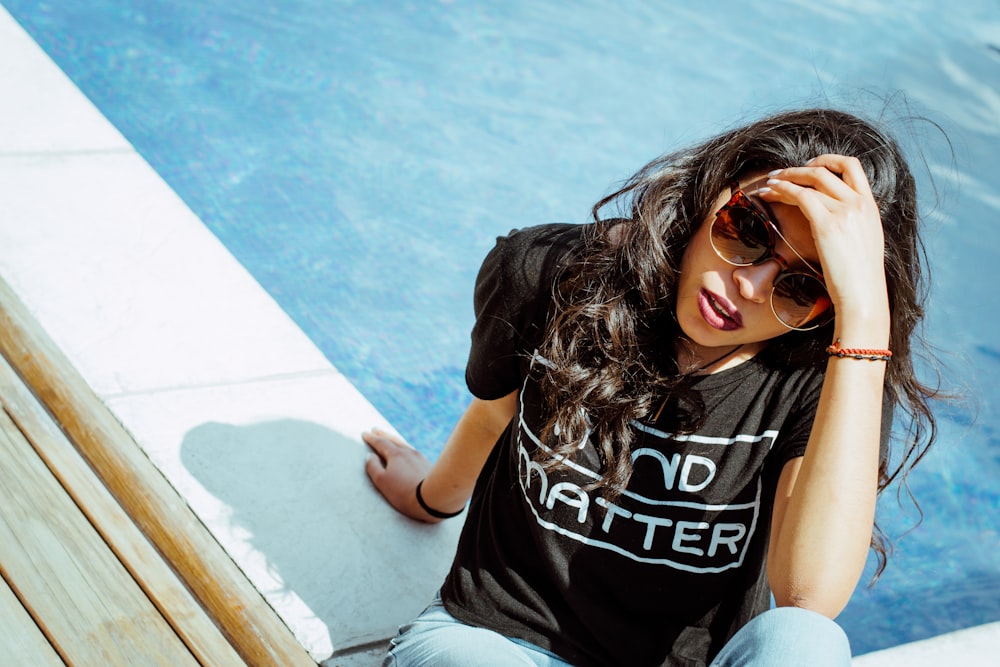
x,y
720,305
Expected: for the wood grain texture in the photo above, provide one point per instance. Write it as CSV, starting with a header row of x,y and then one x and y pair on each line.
x,y
22,642
67,578
159,583
245,618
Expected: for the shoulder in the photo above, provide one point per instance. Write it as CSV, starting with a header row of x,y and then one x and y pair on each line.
x,y
542,244
527,259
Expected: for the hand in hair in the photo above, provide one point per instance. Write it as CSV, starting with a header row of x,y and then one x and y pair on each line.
x,y
833,193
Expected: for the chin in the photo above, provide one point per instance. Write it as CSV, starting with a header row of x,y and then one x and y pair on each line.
x,y
700,333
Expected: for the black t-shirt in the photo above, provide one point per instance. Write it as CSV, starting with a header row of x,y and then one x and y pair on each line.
x,y
665,574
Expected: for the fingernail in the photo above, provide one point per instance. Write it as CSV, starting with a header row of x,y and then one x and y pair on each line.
x,y
772,181
810,160
763,191
774,173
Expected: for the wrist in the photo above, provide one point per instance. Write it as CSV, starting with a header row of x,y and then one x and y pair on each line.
x,y
430,510
870,330
869,353
863,321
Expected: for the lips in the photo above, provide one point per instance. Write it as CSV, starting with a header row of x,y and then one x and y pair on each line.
x,y
718,312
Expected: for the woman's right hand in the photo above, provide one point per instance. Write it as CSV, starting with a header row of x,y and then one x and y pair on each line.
x,y
395,468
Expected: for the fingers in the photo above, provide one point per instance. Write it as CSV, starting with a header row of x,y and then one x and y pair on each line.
x,y
389,453
827,184
849,169
815,205
385,447
395,468
384,443
374,467
834,196
837,176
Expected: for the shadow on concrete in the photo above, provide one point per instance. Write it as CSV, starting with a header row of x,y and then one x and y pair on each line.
x,y
299,493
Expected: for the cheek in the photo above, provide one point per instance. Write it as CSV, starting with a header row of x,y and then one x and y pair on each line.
x,y
767,326
698,254
686,263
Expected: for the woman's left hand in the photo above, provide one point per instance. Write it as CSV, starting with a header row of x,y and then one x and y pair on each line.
x,y
833,193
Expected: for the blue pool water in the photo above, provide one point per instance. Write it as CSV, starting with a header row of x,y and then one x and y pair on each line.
x,y
359,158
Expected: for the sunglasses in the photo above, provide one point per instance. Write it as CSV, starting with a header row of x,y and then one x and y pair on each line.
x,y
742,234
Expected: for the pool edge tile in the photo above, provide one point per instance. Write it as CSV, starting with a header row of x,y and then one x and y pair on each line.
x,y
139,294
34,118
966,647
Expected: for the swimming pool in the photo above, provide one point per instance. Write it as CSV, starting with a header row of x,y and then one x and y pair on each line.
x,y
359,159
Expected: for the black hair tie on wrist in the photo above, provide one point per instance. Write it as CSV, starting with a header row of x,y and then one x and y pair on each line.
x,y
430,510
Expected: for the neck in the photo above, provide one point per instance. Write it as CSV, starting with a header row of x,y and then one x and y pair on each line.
x,y
693,359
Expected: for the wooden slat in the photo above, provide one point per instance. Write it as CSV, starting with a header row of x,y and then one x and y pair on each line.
x,y
73,586
21,640
150,572
250,625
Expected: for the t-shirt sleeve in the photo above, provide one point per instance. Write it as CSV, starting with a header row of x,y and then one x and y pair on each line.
x,y
512,297
796,436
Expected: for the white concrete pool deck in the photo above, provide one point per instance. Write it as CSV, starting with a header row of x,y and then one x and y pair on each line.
x,y
238,409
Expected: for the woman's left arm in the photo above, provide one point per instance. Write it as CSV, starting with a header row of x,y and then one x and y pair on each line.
x,y
825,503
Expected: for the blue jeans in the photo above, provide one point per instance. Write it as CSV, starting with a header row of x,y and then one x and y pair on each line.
x,y
785,637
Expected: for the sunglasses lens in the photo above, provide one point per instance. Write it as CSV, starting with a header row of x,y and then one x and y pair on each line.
x,y
799,299
740,236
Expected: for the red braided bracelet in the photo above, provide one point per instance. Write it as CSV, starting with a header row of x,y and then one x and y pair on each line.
x,y
857,352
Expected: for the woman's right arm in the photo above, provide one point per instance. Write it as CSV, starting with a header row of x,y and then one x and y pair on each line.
x,y
396,468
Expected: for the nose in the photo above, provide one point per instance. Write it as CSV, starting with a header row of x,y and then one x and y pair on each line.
x,y
755,282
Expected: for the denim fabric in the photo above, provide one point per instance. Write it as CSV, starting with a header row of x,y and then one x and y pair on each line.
x,y
785,637
438,639
789,637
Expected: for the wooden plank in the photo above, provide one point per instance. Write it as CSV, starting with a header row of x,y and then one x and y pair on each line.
x,y
22,641
71,583
248,622
151,573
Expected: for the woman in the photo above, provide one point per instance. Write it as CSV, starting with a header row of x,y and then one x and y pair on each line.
x,y
681,412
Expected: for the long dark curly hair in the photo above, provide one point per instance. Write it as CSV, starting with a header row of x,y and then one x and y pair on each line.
x,y
612,337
